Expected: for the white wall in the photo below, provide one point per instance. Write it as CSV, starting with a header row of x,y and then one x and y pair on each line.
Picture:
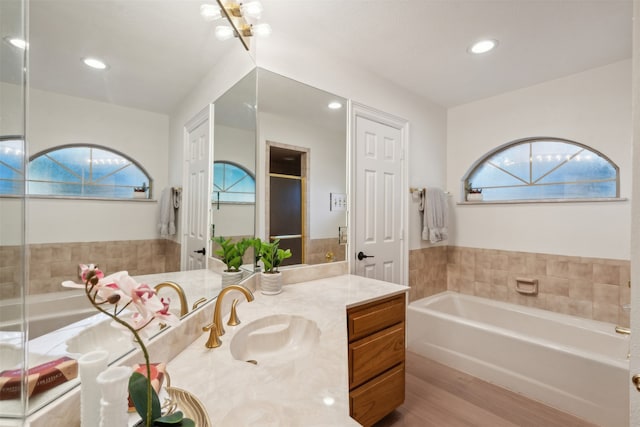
x,y
237,146
11,123
327,172
55,120
593,108
228,71
427,132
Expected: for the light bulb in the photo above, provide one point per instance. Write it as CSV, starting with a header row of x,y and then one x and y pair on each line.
x,y
210,12
261,30
94,63
223,32
252,9
483,46
17,42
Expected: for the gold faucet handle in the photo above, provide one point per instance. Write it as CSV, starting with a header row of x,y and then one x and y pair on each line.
x,y
233,317
198,302
214,338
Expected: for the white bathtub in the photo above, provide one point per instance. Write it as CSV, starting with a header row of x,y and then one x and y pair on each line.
x,y
577,365
45,312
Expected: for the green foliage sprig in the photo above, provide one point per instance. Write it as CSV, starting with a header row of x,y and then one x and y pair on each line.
x,y
272,256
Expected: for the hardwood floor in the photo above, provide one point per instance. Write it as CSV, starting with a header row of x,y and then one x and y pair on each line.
x,y
437,395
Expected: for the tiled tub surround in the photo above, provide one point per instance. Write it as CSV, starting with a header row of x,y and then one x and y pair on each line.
x,y
319,248
52,263
427,272
593,288
313,389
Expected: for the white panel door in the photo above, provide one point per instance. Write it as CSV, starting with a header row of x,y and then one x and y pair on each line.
x,y
196,197
378,202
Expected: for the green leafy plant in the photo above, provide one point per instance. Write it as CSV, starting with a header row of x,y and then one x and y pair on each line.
x,y
141,189
231,254
257,249
272,256
470,190
138,388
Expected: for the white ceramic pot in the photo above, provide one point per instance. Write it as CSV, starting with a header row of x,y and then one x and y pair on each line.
x,y
231,278
271,283
474,197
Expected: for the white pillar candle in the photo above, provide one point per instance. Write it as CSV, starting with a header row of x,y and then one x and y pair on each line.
x,y
114,384
90,366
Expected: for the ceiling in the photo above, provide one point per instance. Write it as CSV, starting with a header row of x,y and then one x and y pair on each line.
x,y
159,49
422,44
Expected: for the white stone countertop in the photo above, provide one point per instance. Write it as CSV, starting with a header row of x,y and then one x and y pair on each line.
x,y
307,391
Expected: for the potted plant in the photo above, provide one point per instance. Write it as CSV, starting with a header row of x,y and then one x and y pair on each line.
x,y
140,192
472,194
272,256
231,254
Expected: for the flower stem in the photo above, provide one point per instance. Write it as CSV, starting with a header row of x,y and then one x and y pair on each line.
x,y
93,301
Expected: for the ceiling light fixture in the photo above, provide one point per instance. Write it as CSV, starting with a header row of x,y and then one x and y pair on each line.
x,y
241,16
335,105
17,42
210,12
483,46
95,63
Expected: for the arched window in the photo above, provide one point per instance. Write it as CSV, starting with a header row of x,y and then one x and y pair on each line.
x,y
543,169
233,183
11,165
87,171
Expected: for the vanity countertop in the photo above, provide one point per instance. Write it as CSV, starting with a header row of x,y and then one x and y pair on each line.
x,y
311,390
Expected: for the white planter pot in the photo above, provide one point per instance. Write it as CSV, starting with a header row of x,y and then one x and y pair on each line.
x,y
271,284
231,278
474,197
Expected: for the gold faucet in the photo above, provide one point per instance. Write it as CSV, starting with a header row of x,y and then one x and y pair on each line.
x,y
623,330
216,329
184,308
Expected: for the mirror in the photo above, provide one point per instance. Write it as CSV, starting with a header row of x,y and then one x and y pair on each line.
x,y
233,199
302,158
12,232
154,83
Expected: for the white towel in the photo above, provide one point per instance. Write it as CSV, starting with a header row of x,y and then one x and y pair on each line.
x,y
435,210
167,223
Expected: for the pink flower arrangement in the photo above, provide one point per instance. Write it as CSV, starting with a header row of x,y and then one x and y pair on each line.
x,y
122,292
114,294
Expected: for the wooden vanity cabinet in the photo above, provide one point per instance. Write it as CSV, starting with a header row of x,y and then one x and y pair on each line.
x,y
376,358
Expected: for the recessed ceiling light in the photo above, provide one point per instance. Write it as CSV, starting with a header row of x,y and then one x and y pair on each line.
x,y
17,42
483,46
335,105
94,63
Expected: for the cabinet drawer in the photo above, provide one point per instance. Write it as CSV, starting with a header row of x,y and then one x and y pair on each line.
x,y
375,354
377,398
373,317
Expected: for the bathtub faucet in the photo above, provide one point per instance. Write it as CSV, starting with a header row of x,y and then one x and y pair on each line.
x,y
623,330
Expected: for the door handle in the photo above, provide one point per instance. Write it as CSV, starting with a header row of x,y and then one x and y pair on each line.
x,y
636,381
362,256
202,251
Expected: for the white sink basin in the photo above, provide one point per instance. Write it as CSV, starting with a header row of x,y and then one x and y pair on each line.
x,y
275,340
